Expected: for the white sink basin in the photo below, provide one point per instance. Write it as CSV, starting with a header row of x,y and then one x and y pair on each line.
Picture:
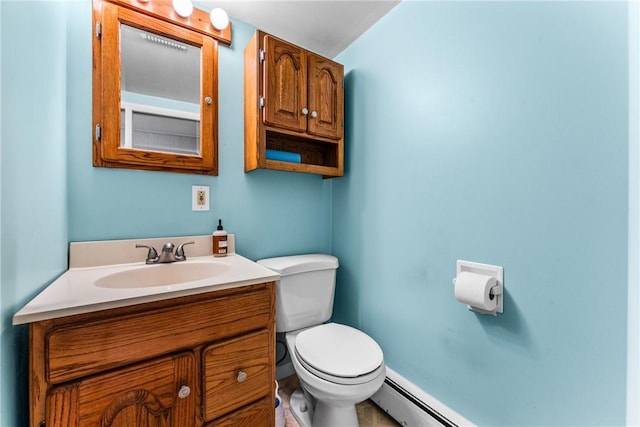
x,y
149,276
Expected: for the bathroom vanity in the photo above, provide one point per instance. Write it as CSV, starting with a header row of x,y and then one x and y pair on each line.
x,y
198,353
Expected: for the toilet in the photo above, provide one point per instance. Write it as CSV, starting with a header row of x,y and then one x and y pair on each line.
x,y
337,366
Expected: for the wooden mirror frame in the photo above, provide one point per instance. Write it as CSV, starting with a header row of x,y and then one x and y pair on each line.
x,y
159,17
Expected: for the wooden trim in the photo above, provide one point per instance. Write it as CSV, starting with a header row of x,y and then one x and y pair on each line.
x,y
305,168
62,406
272,354
252,119
97,83
37,395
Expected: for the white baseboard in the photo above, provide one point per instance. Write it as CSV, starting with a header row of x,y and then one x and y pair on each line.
x,y
412,406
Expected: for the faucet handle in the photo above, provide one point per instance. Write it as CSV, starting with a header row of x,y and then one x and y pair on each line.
x,y
152,255
180,256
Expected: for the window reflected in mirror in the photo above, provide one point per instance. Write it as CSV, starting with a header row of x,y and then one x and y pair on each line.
x,y
160,93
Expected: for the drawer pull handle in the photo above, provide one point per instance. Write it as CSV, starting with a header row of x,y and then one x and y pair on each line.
x,y
184,391
242,376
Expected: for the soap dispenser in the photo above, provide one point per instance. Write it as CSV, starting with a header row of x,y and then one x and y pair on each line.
x,y
219,241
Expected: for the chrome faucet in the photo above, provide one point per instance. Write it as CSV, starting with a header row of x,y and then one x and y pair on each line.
x,y
180,255
166,255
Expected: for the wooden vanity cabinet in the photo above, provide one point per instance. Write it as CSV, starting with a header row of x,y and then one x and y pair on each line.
x,y
199,360
294,102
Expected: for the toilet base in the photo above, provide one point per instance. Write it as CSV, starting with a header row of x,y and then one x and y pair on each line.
x,y
299,408
322,415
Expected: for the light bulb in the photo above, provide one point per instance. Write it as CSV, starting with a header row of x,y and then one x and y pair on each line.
x,y
183,8
219,19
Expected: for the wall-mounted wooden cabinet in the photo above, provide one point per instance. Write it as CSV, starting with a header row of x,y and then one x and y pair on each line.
x,y
200,360
294,108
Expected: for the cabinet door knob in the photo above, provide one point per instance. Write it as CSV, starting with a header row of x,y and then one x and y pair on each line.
x,y
208,100
184,391
242,376
305,111
314,114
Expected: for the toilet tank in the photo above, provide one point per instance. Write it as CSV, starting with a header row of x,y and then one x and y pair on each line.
x,y
304,293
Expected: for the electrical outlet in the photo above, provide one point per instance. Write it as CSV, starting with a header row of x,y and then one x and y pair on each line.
x,y
200,197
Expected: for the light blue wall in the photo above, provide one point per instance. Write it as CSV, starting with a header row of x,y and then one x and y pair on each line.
x,y
51,194
493,132
1,137
488,131
33,176
633,331
272,213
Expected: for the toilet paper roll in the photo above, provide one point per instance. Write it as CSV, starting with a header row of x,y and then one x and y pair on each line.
x,y
475,290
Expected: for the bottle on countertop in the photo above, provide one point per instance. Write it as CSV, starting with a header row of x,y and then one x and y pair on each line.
x,y
219,241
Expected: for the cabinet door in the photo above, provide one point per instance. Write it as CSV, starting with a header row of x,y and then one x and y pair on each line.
x,y
159,393
285,85
326,97
236,372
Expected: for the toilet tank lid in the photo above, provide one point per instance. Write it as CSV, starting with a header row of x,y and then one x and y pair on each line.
x,y
287,265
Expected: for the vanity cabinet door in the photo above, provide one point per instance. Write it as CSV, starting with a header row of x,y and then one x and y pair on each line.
x,y
158,393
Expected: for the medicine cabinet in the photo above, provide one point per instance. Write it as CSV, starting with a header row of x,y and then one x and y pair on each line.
x,y
155,87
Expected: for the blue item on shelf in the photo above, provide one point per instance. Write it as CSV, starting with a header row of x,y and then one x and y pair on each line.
x,y
283,156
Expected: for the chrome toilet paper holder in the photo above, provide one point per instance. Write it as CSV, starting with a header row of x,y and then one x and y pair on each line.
x,y
487,270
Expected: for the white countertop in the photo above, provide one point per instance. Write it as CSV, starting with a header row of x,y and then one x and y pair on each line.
x,y
75,292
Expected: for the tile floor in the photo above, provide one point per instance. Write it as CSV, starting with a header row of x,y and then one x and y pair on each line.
x,y
369,414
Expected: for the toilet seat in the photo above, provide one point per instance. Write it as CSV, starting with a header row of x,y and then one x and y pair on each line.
x,y
339,353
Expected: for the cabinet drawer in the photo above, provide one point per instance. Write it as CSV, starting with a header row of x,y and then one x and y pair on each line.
x,y
236,372
261,413
83,349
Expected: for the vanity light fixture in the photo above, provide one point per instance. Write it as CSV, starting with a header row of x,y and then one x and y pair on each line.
x,y
184,8
219,19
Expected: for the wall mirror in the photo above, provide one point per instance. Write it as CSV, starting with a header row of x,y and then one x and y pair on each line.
x,y
155,87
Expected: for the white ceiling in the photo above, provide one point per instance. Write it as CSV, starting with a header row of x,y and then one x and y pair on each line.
x,y
326,27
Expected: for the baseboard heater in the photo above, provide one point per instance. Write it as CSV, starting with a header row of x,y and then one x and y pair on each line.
x,y
410,406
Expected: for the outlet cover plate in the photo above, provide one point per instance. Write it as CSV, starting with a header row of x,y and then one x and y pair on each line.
x,y
200,197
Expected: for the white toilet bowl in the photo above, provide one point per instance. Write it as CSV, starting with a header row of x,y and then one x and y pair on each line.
x,y
338,367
